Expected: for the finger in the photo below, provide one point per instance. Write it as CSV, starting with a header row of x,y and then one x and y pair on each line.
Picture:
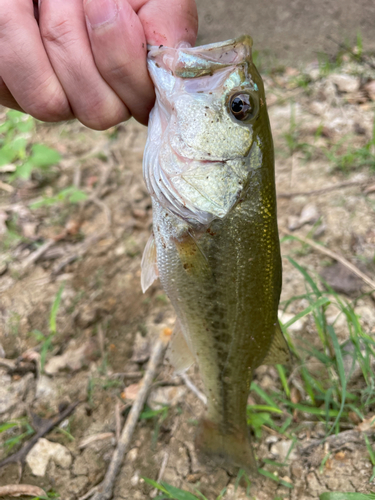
x,y
24,65
63,29
119,47
6,98
166,22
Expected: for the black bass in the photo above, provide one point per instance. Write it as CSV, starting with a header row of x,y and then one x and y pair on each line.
x,y
209,168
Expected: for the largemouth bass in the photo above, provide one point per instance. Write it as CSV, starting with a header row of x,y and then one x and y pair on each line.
x,y
209,168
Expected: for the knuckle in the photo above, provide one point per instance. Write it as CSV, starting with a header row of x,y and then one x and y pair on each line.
x,y
52,108
6,22
102,116
58,32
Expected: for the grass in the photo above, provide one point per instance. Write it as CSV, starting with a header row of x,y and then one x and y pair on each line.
x,y
46,340
352,158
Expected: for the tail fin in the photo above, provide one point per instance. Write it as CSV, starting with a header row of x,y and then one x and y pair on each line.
x,y
225,449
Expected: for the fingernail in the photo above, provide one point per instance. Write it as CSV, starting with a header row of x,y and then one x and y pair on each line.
x,y
100,12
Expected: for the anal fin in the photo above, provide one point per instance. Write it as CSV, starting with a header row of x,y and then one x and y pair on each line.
x,y
178,352
279,352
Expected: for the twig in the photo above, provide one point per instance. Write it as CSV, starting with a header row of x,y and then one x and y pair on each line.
x,y
104,490
32,258
336,441
334,256
161,473
327,189
6,187
96,437
189,384
20,456
118,420
358,57
78,252
17,490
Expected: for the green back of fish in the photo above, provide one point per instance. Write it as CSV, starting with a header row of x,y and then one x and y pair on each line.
x,y
224,282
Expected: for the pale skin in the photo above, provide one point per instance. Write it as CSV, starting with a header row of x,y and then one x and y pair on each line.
x,y
86,59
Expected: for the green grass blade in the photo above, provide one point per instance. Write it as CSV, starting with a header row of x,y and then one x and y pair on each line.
x,y
255,387
319,303
275,478
341,372
54,309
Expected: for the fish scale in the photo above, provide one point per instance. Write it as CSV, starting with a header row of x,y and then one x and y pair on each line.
x,y
220,267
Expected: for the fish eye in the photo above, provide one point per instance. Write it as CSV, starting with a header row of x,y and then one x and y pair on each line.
x,y
243,107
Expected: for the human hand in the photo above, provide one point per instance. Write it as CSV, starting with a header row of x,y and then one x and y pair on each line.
x,y
86,58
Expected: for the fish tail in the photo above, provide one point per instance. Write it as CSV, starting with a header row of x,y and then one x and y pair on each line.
x,y
229,447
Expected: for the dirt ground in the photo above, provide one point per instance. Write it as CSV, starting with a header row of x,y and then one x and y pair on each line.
x,y
105,326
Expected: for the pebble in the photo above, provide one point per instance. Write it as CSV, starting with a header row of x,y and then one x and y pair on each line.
x,y
166,396
44,450
345,83
73,359
281,450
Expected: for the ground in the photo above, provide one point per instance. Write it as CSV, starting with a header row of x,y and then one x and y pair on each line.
x,y
93,347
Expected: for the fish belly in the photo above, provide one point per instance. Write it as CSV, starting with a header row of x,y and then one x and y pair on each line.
x,y
224,282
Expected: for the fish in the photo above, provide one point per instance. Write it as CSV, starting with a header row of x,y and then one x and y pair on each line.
x,y
209,168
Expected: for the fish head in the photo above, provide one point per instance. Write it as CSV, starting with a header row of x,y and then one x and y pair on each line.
x,y
205,137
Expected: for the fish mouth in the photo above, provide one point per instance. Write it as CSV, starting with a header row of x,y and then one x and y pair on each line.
x,y
192,62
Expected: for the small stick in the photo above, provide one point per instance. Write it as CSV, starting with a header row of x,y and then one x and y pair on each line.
x,y
17,490
327,189
334,256
161,473
32,258
189,384
105,489
6,187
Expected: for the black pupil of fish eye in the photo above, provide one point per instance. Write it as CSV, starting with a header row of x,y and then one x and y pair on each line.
x,y
237,105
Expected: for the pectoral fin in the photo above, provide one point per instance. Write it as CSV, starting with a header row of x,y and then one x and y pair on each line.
x,y
178,352
149,267
278,353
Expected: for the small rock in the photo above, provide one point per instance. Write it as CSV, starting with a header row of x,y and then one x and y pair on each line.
x,y
281,450
13,393
73,359
134,480
44,450
132,455
309,214
44,388
141,349
297,326
341,279
345,83
293,222
166,396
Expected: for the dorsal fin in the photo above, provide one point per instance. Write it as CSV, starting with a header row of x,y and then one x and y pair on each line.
x,y
279,352
149,267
